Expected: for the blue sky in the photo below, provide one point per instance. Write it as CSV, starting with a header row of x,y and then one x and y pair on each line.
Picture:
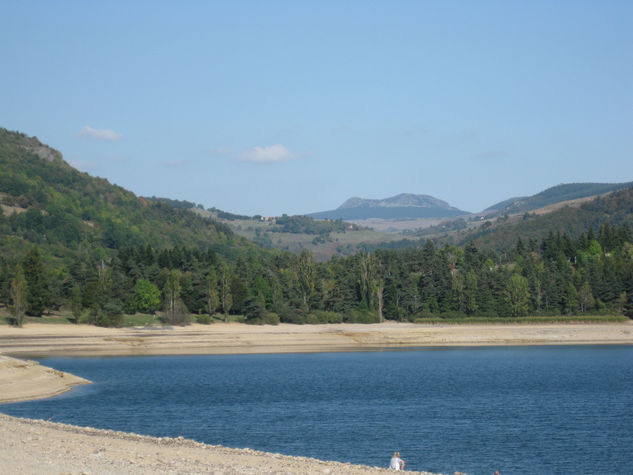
x,y
271,107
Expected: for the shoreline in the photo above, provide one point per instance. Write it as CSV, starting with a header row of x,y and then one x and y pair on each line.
x,y
43,340
37,446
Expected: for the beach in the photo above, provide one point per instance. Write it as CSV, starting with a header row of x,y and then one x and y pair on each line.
x,y
32,446
39,340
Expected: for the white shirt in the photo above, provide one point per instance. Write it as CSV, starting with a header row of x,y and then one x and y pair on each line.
x,y
395,463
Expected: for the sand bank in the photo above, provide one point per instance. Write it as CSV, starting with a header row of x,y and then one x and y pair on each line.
x,y
23,379
84,340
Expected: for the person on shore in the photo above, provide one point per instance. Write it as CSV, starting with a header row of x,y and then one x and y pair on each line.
x,y
396,462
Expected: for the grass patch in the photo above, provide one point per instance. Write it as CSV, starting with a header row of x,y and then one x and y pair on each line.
x,y
527,320
141,320
53,319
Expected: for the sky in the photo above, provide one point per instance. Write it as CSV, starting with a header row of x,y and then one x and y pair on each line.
x,y
271,107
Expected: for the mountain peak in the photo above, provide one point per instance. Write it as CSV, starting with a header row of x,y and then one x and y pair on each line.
x,y
400,200
401,206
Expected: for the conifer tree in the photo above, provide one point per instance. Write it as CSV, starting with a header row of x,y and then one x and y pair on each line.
x,y
37,292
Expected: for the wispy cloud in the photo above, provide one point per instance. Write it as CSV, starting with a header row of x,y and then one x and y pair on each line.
x,y
267,154
218,152
177,163
100,134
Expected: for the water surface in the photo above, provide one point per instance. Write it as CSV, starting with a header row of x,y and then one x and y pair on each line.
x,y
521,410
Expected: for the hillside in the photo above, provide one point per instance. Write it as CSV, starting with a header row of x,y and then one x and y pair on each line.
x,y
553,195
47,202
615,208
402,206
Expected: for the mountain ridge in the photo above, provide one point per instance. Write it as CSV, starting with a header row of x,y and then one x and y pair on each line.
x,y
400,206
555,194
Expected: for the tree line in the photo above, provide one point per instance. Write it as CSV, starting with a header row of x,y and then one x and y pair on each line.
x,y
557,275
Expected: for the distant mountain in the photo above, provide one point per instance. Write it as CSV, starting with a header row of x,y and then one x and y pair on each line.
x,y
402,206
553,195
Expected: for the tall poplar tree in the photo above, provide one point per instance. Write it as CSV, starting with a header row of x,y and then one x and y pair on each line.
x,y
226,298
18,297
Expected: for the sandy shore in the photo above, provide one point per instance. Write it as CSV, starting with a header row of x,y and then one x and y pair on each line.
x,y
83,340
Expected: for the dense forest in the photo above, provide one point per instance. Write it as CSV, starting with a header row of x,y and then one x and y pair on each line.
x,y
70,241
559,275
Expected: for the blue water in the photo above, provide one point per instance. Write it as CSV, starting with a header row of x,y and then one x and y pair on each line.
x,y
519,410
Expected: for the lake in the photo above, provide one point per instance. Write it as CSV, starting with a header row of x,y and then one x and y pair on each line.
x,y
519,410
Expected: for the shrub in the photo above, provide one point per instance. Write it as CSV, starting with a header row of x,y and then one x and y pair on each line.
x,y
203,318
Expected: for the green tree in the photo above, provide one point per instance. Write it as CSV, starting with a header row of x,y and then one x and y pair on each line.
x,y
213,299
305,277
255,309
585,297
18,297
518,295
225,290
471,288
37,292
174,308
239,293
75,303
628,306
106,309
147,296
570,299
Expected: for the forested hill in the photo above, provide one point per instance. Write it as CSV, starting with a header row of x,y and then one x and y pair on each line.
x,y
614,208
47,202
553,195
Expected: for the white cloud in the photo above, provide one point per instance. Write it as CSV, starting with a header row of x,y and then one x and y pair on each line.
x,y
100,134
267,154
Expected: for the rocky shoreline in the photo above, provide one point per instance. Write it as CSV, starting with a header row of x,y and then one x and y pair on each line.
x,y
42,447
